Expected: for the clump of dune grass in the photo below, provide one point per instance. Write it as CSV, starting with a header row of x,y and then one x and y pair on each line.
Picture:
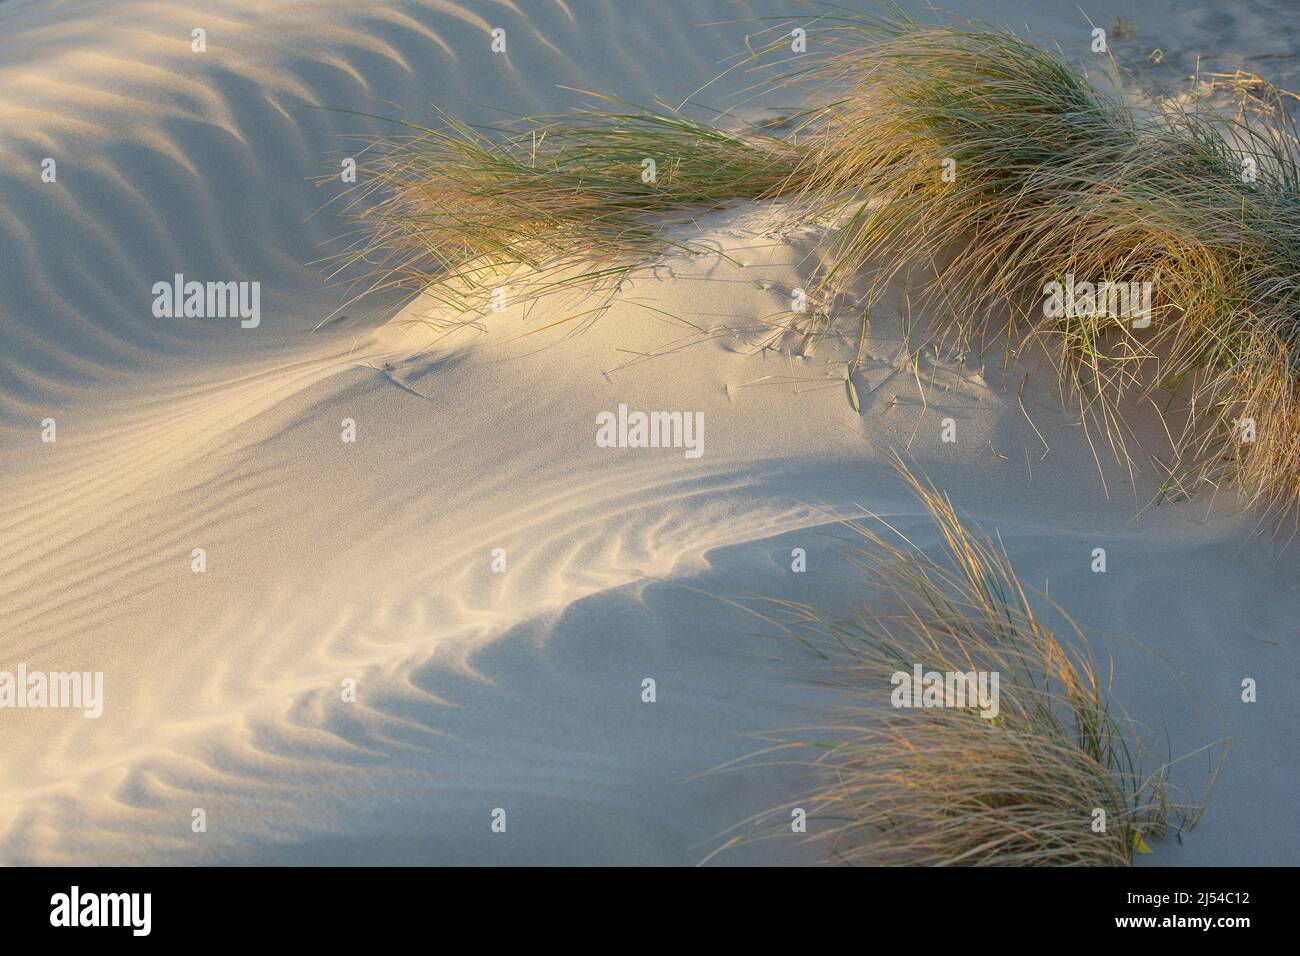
x,y
1052,178
945,785
571,201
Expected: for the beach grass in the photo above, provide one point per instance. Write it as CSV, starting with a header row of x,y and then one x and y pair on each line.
x,y
1047,178
570,202
1058,776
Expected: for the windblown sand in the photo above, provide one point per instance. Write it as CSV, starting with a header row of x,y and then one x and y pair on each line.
x,y
329,561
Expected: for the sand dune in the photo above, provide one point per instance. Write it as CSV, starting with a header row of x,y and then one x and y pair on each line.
x,y
372,560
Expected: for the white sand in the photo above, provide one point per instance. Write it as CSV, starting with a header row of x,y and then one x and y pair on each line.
x,y
371,560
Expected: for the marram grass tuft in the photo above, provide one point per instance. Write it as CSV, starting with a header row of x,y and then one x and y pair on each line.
x,y
1048,179
573,201
1057,777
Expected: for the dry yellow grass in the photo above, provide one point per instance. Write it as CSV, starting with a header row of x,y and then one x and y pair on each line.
x,y
946,785
1048,179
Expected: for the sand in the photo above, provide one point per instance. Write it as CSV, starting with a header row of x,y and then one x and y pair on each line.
x,y
372,561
